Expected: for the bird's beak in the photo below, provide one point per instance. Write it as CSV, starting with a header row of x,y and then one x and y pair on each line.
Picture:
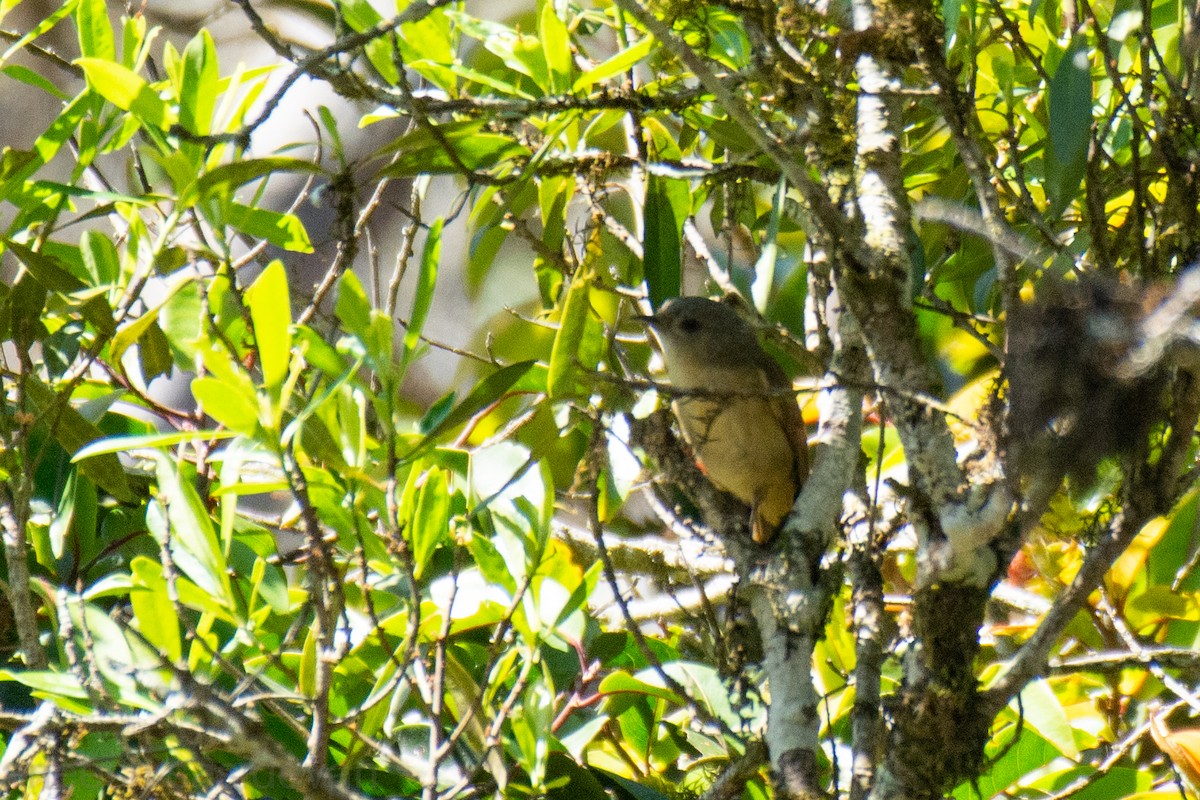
x,y
648,321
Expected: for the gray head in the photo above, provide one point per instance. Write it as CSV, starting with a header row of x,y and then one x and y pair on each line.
x,y
695,330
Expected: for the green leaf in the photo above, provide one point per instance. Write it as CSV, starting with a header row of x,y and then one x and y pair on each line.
x,y
95,30
764,268
307,677
183,318
620,681
54,684
1070,132
100,258
486,392
193,541
667,205
565,351
319,353
951,13
484,79
431,520
703,685
423,293
198,88
122,444
282,230
128,91
53,275
330,124
267,581
232,408
353,309
631,789
360,15
131,333
519,52
76,512
30,78
72,431
152,607
556,47
491,563
451,148
21,313
154,353
614,65
1012,761
271,313
47,270
46,146
1129,783
221,180
37,31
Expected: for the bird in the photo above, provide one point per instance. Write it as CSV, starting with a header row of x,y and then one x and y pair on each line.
x,y
735,407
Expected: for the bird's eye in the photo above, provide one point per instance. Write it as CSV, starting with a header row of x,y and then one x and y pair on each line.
x,y
689,324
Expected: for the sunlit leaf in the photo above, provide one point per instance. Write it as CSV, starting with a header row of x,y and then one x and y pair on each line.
x,y
127,90
271,313
565,353
281,230
153,609
614,65
556,46
198,90
95,30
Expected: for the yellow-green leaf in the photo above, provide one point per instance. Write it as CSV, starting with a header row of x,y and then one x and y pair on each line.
x,y
127,90
271,313
565,351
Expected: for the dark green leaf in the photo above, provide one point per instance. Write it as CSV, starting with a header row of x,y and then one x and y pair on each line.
x,y
437,413
486,392
667,205
1070,133
72,431
48,270
193,540
627,788
30,78
154,353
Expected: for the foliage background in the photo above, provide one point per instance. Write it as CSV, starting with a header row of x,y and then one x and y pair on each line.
x,y
249,554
